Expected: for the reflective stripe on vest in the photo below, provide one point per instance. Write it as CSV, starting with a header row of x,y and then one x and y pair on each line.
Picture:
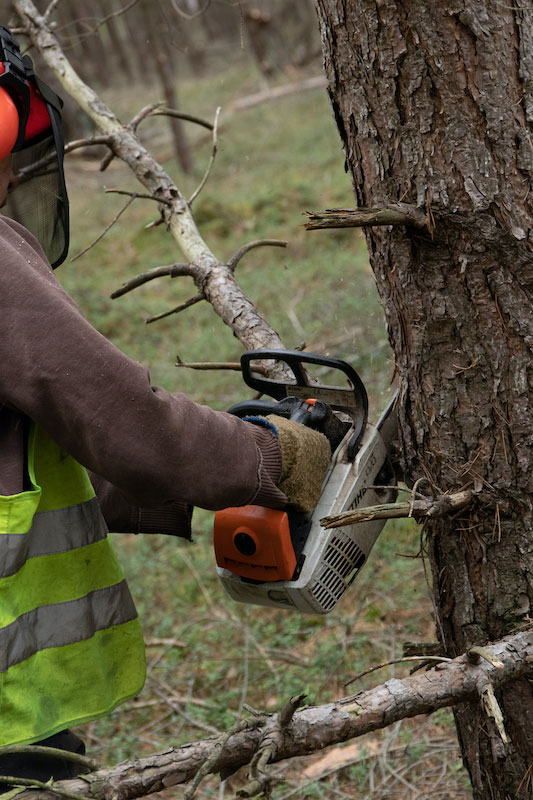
x,y
71,647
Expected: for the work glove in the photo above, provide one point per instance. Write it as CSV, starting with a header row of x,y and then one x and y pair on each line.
x,y
305,455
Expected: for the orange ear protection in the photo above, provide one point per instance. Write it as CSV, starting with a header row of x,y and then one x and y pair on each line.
x,y
20,125
9,124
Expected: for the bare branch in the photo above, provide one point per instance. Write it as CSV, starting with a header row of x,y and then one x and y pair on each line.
x,y
211,276
186,15
106,229
418,508
211,760
475,653
314,727
75,144
114,14
192,301
172,112
25,173
209,365
236,257
395,214
46,788
173,270
160,110
228,365
50,10
259,779
211,161
427,659
244,103
135,195
50,752
143,113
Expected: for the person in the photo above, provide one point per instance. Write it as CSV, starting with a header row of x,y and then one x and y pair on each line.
x,y
87,444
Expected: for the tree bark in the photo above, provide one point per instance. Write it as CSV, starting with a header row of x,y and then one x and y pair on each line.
x,y
433,103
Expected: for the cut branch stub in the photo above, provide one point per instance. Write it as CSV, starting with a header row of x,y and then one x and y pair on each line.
x,y
394,214
442,506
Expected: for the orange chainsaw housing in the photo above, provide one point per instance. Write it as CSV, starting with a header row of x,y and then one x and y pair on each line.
x,y
255,543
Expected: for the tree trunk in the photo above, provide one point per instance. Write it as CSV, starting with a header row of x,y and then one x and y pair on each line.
x,y
434,106
120,45
156,29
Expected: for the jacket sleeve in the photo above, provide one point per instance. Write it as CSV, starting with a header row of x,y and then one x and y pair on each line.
x,y
172,519
154,446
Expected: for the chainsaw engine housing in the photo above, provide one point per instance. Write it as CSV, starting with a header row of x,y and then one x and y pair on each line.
x,y
265,557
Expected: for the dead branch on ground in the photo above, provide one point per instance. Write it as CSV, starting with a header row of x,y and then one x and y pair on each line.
x,y
315,727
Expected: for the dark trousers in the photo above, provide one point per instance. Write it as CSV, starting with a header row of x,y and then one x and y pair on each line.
x,y
42,768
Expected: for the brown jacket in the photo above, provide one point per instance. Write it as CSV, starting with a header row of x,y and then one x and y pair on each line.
x,y
151,454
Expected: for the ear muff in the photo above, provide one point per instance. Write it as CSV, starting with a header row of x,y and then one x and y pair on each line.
x,y
9,123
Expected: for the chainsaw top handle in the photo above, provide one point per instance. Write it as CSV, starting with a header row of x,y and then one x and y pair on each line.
x,y
351,400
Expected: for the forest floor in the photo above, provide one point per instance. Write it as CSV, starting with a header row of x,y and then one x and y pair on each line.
x,y
208,656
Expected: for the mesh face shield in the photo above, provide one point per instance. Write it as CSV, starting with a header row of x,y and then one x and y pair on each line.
x,y
40,201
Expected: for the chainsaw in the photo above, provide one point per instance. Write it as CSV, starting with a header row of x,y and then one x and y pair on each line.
x,y
284,558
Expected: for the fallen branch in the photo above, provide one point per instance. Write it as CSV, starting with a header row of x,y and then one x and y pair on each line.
x,y
235,366
209,167
236,257
212,278
244,103
418,508
172,270
404,659
192,301
106,230
259,779
314,727
160,110
395,214
50,752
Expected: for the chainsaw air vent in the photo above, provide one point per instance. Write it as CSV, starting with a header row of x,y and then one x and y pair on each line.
x,y
342,558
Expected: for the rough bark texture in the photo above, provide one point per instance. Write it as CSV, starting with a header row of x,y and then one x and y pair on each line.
x,y
434,105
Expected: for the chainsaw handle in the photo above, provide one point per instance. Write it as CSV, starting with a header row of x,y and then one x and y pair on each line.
x,y
313,414
353,400
251,408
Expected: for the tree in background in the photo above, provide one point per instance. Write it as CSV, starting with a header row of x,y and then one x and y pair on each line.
x,y
434,107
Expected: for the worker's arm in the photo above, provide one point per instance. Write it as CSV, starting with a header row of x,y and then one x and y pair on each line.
x,y
173,519
156,447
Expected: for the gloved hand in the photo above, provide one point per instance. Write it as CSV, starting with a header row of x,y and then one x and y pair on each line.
x,y
305,455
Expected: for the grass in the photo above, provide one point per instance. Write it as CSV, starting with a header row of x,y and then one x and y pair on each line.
x,y
274,162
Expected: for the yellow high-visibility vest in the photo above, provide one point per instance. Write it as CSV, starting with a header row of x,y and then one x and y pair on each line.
x,y
71,647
